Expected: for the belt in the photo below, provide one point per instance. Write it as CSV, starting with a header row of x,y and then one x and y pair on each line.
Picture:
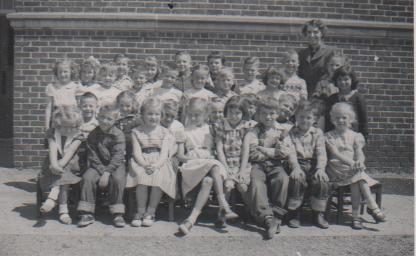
x,y
150,150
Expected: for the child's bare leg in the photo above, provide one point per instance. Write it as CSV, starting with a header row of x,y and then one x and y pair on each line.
x,y
50,202
218,186
229,185
155,196
365,190
201,199
63,205
141,197
355,199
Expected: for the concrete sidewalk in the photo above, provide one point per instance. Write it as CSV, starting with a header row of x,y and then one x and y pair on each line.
x,y
22,233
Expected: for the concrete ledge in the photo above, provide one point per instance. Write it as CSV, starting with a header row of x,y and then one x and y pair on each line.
x,y
206,23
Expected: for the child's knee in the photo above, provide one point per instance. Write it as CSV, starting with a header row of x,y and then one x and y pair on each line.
x,y
229,185
207,181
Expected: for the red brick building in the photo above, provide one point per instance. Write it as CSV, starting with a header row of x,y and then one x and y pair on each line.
x,y
376,34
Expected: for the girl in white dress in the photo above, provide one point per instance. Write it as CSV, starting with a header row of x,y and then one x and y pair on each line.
x,y
151,172
346,162
62,92
199,165
61,168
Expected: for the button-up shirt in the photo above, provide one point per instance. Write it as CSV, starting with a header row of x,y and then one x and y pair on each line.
x,y
310,145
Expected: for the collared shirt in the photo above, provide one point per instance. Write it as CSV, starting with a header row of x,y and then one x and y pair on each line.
x,y
124,83
310,145
106,150
63,95
87,127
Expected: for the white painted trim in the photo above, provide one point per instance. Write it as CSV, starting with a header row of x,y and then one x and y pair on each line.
x,y
178,22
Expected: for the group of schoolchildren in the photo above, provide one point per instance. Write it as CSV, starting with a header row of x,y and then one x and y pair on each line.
x,y
112,127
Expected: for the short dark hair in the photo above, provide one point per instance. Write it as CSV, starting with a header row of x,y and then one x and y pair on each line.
x,y
88,95
236,102
216,55
346,71
315,23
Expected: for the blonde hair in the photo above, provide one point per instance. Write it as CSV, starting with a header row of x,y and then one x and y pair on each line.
x,y
224,72
149,103
108,67
343,107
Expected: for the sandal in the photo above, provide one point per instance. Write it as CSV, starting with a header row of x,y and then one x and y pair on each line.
x,y
186,227
48,205
377,215
65,218
357,224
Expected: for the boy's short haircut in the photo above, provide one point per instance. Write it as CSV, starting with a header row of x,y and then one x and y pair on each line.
x,y
67,116
182,53
236,102
171,106
308,107
200,68
274,70
267,103
107,110
315,23
290,53
216,55
251,61
120,56
224,72
168,69
137,69
88,95
250,98
346,71
339,54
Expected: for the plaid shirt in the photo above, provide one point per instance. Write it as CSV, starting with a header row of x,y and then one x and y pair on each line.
x,y
310,145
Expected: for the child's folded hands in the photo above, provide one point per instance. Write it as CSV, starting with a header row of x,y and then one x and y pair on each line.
x,y
104,179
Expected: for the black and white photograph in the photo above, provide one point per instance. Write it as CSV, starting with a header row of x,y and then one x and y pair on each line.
x,y
207,127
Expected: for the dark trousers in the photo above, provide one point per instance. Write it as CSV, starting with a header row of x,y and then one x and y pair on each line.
x,y
316,190
89,184
268,188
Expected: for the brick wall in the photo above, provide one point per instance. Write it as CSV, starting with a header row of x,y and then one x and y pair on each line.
x,y
368,10
387,82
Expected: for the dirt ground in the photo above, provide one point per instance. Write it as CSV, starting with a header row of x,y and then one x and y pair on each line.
x,y
22,233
